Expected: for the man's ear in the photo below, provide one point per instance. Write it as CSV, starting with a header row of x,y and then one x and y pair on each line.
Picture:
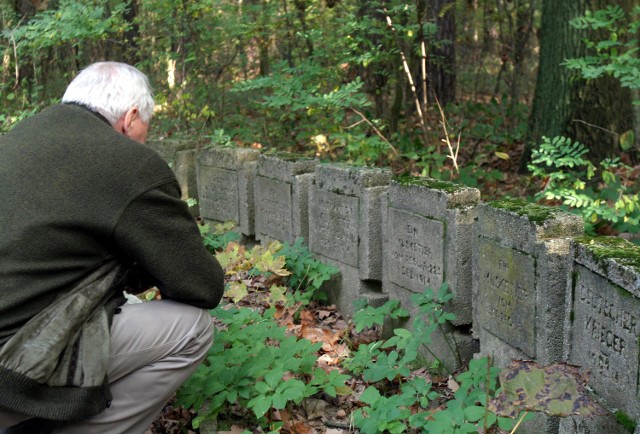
x,y
123,125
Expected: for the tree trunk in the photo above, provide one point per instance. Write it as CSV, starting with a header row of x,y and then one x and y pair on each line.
x,y
565,104
552,100
441,69
132,50
376,74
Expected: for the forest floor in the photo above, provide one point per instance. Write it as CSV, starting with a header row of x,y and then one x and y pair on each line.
x,y
322,413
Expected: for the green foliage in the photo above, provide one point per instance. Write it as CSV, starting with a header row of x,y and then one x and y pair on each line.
x,y
617,53
219,237
309,104
307,273
247,364
370,316
73,22
393,361
255,364
600,194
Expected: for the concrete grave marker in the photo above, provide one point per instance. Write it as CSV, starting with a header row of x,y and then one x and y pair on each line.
x,y
225,185
602,330
345,218
282,197
428,229
520,266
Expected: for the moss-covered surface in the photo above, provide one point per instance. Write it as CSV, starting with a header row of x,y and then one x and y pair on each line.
x,y
537,214
288,156
446,186
618,249
628,423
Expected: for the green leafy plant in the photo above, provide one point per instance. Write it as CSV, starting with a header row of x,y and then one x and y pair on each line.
x,y
599,193
219,237
615,55
247,364
307,273
395,359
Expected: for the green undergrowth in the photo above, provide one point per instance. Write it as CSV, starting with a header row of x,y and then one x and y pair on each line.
x,y
258,367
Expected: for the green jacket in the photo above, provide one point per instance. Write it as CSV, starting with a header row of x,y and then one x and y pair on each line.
x,y
75,194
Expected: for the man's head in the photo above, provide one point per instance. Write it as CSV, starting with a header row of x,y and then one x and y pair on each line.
x,y
119,92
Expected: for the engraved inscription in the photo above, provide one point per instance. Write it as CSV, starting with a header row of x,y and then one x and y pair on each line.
x,y
415,251
333,230
606,334
506,302
218,193
273,209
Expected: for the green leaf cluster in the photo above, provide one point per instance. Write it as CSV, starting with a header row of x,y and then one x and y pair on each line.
x,y
599,193
307,273
617,53
254,363
221,235
74,23
394,361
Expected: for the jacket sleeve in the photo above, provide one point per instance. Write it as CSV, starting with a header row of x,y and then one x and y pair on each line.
x,y
157,232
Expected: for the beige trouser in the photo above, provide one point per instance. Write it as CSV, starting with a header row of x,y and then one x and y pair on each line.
x,y
155,346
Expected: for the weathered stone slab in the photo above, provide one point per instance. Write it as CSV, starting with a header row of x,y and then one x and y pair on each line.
x,y
603,327
225,179
185,171
506,295
345,218
282,197
335,221
180,156
520,260
428,230
415,252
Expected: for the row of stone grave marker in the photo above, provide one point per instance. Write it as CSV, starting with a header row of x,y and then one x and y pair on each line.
x,y
527,284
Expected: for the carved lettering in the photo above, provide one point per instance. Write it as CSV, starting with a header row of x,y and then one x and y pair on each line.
x,y
506,302
334,223
415,251
274,209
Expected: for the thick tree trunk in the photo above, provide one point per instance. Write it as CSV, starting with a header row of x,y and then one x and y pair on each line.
x,y
564,103
552,100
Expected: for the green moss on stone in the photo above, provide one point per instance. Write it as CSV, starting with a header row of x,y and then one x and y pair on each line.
x,y
623,419
537,214
289,156
446,186
618,249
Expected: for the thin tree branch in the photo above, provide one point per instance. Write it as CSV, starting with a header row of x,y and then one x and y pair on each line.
x,y
375,129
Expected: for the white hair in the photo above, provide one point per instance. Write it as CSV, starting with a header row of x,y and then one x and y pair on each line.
x,y
111,89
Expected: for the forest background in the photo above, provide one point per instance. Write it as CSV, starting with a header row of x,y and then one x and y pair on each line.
x,y
519,98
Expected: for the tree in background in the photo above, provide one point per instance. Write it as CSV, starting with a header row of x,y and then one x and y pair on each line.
x,y
593,112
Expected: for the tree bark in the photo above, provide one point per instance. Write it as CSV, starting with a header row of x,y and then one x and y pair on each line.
x,y
441,69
